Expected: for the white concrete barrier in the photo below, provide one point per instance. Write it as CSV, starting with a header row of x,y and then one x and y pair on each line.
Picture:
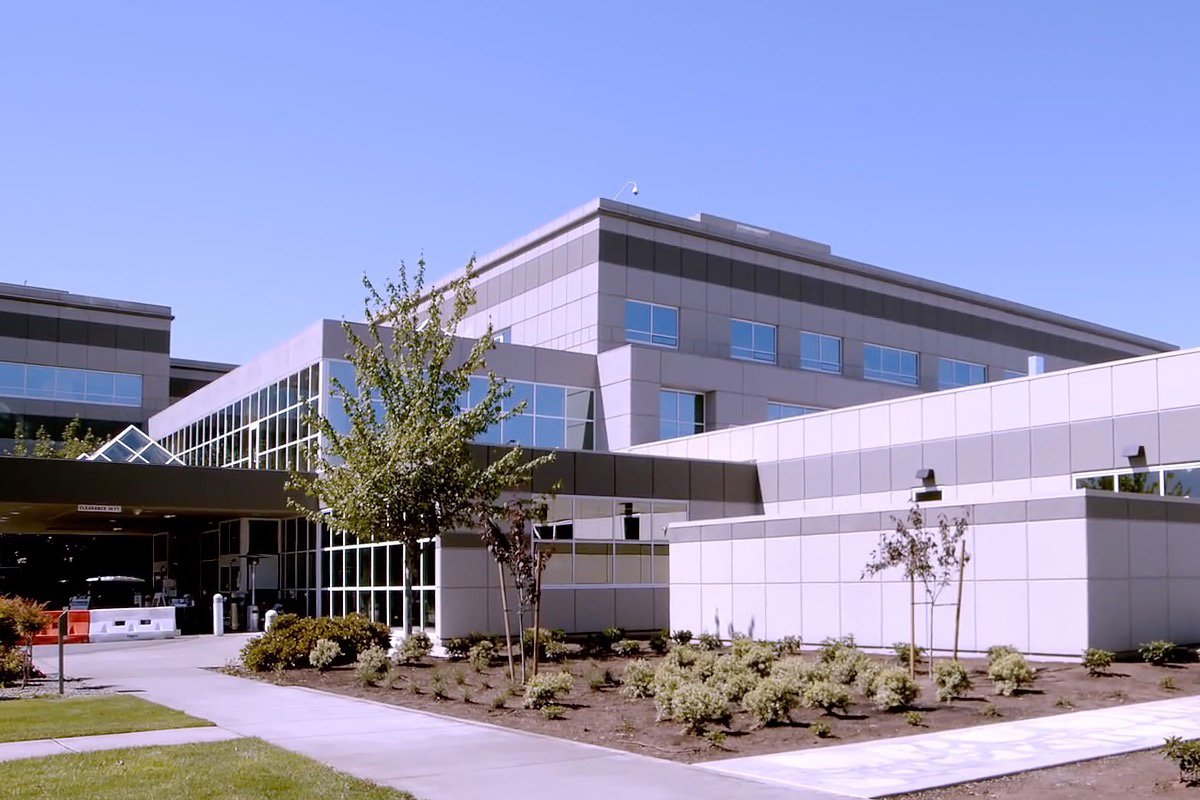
x,y
121,624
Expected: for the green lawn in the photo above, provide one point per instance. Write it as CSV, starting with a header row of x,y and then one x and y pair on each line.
x,y
242,769
54,717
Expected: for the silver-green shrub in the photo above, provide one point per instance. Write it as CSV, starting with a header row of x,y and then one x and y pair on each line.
x,y
758,656
638,679
696,705
732,677
543,688
893,689
667,678
324,653
627,648
1009,672
372,665
481,654
771,701
416,646
951,679
829,696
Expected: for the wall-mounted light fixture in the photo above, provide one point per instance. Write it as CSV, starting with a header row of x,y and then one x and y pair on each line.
x,y
1132,451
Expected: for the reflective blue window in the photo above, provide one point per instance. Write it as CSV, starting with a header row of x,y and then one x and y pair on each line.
x,y
785,410
820,352
952,373
680,413
76,385
753,341
890,364
649,323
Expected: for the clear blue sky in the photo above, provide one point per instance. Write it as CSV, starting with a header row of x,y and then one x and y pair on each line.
x,y
245,163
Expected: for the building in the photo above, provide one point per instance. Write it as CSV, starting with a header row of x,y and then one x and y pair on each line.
x,y
651,350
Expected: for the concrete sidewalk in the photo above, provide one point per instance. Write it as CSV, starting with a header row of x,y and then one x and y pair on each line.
x,y
434,757
912,763
37,748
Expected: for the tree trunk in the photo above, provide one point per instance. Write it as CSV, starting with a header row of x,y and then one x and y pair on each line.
x,y
912,627
537,616
408,591
962,567
512,669
521,637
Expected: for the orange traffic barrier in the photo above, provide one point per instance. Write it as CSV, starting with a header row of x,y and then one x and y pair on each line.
x,y
78,625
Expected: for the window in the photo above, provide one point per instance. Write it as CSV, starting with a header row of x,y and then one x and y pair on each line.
x,y
651,324
680,413
502,336
952,373
1013,373
820,352
752,341
75,385
889,364
553,416
785,410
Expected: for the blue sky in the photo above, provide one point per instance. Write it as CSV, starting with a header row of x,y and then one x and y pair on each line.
x,y
245,163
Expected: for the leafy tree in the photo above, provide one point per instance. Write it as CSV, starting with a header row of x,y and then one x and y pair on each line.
x,y
402,471
931,556
74,442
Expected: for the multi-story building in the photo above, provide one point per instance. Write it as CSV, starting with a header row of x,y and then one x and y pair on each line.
x,y
620,327
65,355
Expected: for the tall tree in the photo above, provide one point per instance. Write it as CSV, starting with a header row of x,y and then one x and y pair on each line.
x,y
400,468
74,442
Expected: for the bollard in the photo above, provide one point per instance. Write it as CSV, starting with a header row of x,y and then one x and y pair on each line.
x,y
252,618
218,612
270,619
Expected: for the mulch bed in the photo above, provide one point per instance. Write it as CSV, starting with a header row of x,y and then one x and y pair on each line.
x,y
603,716
1127,777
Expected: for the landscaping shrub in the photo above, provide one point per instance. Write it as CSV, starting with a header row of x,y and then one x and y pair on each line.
x,y
1186,755
866,677
827,696
291,639
323,654
545,636
553,711
13,663
832,647
914,718
998,650
821,730
771,701
667,679
372,665
457,648
1009,672
415,647
1157,652
682,636
903,649
697,705
638,679
788,646
1167,683
989,710
755,655
659,640
481,654
732,678
798,673
682,656
951,679
627,648
709,642
543,688
892,689
846,664
555,650
1097,661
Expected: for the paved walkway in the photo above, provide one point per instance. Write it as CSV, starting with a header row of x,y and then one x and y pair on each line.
x,y
434,757
912,763
36,748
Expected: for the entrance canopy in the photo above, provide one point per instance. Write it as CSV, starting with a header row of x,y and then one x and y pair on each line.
x,y
62,496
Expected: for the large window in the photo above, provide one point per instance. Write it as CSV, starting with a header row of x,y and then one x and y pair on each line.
x,y
680,413
368,579
820,352
752,341
650,323
952,373
74,385
785,410
552,416
1182,481
890,364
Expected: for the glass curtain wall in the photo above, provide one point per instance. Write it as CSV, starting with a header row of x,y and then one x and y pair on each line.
x,y
298,583
369,579
263,430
